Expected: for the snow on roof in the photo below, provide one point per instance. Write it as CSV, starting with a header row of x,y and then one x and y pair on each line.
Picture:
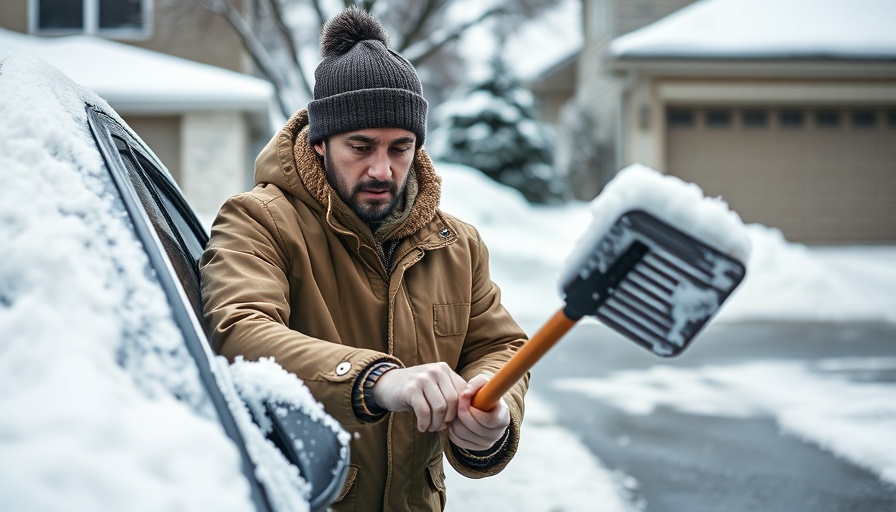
x,y
768,29
134,79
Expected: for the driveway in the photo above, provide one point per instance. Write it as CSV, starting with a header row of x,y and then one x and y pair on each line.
x,y
699,440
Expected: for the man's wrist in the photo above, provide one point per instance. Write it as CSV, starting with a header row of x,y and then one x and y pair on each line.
x,y
363,402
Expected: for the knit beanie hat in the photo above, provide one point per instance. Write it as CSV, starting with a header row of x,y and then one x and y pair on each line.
x,y
361,83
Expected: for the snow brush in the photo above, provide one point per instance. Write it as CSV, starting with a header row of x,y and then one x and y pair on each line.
x,y
656,274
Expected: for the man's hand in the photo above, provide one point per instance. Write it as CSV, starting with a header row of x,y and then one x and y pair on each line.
x,y
430,390
474,429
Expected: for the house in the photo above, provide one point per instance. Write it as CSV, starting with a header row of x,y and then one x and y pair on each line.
x,y
172,70
786,108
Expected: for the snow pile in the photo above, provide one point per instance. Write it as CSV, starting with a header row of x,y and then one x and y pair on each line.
x,y
818,402
527,243
794,282
91,361
768,28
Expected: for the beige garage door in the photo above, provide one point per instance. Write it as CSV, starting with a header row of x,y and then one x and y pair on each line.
x,y
821,175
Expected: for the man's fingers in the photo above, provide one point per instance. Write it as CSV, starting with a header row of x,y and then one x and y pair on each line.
x,y
437,389
462,437
437,406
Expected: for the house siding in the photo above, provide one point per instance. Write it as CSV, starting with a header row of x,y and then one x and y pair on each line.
x,y
215,162
162,135
188,30
14,15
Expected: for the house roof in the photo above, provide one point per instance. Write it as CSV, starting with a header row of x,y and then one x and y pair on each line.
x,y
136,80
778,29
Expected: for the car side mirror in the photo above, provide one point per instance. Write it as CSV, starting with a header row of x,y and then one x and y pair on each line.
x,y
324,464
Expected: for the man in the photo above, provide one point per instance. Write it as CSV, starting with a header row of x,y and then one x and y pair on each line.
x,y
340,266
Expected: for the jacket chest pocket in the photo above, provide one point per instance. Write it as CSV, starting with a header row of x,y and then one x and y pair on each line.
x,y
450,320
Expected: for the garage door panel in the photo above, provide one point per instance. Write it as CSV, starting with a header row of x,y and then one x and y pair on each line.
x,y
823,180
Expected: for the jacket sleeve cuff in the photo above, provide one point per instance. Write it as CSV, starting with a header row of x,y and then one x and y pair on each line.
x,y
484,458
363,405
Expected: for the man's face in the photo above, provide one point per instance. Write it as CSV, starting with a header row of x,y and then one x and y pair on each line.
x,y
369,168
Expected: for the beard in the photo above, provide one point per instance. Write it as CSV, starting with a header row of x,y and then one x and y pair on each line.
x,y
370,211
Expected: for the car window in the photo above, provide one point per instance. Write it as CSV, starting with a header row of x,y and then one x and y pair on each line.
x,y
182,240
145,186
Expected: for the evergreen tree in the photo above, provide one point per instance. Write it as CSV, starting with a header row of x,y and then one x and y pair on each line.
x,y
492,127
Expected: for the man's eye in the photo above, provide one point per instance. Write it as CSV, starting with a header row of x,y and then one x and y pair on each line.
x,y
361,149
401,149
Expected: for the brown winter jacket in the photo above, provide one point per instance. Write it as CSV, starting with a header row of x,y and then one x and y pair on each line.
x,y
291,272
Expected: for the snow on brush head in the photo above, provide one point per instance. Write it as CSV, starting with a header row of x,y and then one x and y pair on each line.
x,y
679,203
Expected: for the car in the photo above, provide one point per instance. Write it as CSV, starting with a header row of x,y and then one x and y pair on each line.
x,y
111,397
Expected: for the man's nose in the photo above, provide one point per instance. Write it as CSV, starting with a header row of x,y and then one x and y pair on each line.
x,y
380,169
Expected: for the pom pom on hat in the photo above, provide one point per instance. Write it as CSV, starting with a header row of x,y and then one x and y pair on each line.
x,y
348,28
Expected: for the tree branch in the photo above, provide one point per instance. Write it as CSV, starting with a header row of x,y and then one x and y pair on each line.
x,y
321,15
424,15
287,34
256,50
421,55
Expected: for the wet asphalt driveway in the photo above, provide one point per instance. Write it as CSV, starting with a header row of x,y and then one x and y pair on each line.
x,y
694,463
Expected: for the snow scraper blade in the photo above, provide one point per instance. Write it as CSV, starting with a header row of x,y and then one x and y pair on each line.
x,y
645,279
652,282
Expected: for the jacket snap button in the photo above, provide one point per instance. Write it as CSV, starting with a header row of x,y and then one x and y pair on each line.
x,y
343,368
445,233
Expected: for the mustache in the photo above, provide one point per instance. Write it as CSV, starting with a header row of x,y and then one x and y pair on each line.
x,y
372,185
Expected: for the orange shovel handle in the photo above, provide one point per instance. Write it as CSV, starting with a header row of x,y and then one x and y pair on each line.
x,y
522,361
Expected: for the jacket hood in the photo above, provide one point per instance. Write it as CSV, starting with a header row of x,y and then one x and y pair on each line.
x,y
290,162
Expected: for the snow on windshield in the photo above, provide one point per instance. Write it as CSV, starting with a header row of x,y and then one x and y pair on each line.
x,y
101,406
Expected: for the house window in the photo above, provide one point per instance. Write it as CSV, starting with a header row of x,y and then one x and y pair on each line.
x,y
755,118
680,118
791,118
120,19
718,119
864,119
827,119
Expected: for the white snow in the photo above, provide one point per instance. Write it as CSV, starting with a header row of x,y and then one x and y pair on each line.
x,y
284,486
768,28
552,470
